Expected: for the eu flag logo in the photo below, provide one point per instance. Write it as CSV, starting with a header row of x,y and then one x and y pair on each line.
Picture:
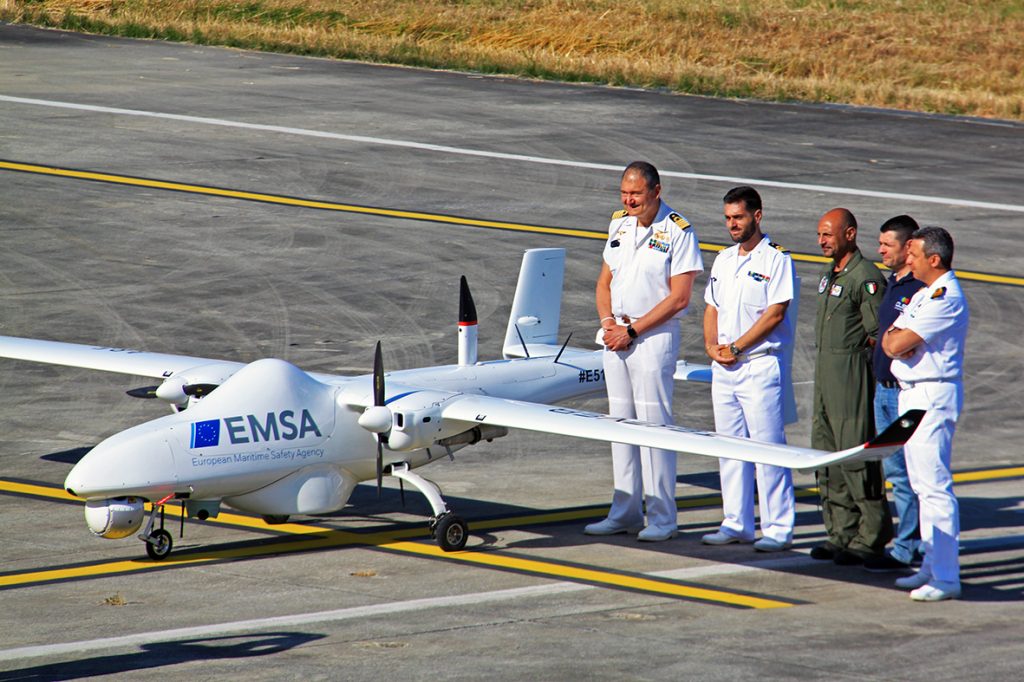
x,y
206,434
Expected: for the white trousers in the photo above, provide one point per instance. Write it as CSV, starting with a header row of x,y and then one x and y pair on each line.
x,y
928,454
639,383
747,398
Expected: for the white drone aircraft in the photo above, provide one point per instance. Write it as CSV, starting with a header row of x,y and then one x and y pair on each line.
x,y
273,440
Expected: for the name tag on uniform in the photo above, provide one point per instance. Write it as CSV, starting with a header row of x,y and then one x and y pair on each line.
x,y
837,290
657,245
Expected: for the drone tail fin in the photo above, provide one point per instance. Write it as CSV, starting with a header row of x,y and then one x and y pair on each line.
x,y
537,306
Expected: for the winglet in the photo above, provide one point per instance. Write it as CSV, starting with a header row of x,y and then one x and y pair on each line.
x,y
899,432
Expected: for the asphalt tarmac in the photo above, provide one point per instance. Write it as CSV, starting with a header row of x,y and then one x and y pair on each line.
x,y
420,177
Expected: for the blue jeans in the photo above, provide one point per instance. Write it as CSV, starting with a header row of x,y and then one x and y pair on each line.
x,y
908,532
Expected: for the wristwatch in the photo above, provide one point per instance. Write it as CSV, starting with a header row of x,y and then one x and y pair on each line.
x,y
632,332
734,349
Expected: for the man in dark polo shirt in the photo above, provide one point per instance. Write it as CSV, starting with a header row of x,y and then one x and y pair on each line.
x,y
901,287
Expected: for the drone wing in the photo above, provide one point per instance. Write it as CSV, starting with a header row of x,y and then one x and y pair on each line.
x,y
103,358
595,426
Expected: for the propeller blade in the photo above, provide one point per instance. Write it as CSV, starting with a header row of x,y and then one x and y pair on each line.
x,y
378,377
378,400
380,465
147,392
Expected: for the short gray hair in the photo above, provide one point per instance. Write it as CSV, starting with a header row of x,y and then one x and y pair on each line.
x,y
936,241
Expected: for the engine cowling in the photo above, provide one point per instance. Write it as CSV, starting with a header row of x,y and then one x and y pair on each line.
x,y
115,517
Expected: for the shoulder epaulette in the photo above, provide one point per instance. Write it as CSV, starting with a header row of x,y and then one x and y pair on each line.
x,y
619,214
939,293
678,220
778,247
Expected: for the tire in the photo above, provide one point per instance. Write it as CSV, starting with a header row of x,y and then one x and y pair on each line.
x,y
160,548
451,533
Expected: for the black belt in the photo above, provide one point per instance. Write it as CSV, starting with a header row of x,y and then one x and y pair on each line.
x,y
889,384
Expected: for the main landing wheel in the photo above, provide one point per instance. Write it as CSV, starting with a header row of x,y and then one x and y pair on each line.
x,y
159,544
451,532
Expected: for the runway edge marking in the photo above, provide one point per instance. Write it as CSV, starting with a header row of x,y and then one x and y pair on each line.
x,y
441,218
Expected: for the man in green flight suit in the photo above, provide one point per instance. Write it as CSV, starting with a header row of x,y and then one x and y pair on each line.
x,y
855,510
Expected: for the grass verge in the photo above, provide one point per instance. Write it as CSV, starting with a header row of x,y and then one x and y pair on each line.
x,y
946,56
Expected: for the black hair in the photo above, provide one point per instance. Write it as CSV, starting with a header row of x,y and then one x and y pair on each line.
x,y
903,225
647,170
748,195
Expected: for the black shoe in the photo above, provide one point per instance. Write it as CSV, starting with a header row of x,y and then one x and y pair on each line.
x,y
849,557
884,564
825,552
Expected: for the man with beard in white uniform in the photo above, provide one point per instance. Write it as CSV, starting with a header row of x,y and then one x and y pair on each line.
x,y
746,332
926,343
651,259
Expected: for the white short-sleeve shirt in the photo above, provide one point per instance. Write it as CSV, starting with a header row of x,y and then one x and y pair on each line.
x,y
939,315
642,259
741,287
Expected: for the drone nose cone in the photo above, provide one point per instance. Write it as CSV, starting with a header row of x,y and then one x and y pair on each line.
x,y
138,461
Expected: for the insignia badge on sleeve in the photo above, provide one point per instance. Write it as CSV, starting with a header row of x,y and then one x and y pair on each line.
x,y
822,284
939,293
871,288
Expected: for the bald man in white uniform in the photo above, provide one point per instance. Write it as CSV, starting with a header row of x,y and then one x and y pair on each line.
x,y
651,259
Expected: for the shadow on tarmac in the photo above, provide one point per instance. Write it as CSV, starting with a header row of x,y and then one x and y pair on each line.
x,y
161,654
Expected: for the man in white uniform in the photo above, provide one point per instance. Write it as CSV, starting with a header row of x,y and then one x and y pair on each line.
x,y
926,343
650,261
745,333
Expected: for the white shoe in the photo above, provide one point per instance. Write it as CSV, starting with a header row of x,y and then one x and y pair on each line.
x,y
608,527
912,582
771,545
936,591
656,534
720,538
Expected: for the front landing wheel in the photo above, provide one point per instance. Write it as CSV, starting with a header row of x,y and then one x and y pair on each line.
x,y
159,544
451,533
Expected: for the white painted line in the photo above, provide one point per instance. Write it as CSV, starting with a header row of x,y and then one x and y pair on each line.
x,y
947,201
303,619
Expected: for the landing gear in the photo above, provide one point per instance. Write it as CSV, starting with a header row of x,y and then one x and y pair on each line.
x,y
158,542
449,530
158,545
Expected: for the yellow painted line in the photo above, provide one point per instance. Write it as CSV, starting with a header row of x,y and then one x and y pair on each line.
x,y
37,490
325,538
333,539
292,201
961,274
589,575
407,215
988,475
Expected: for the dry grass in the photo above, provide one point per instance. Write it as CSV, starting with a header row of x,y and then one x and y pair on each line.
x,y
951,56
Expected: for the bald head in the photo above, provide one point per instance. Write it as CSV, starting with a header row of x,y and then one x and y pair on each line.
x,y
837,235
